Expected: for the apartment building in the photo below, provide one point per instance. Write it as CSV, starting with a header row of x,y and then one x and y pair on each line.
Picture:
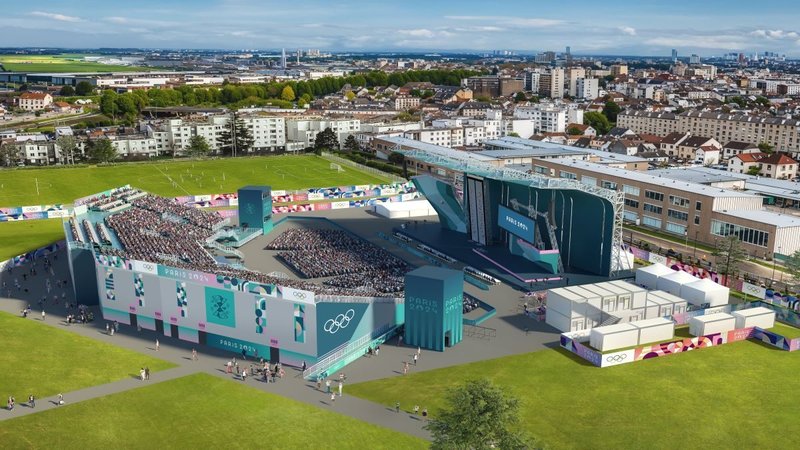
x,y
136,145
305,129
780,133
551,84
34,101
494,86
586,88
405,102
549,117
776,165
268,132
691,210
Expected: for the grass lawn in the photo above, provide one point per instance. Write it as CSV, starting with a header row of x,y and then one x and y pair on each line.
x,y
786,331
45,360
23,236
65,184
60,64
198,411
739,395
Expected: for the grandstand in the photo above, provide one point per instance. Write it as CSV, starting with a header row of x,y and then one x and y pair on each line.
x,y
161,265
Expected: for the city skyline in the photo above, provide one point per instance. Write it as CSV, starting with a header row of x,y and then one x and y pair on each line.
x,y
643,28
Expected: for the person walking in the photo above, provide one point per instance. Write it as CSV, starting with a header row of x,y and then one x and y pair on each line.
x,y
424,413
157,345
146,373
419,351
194,354
333,398
108,328
244,375
32,401
319,384
415,359
377,350
44,315
60,399
328,386
397,407
141,373
229,367
340,389
416,409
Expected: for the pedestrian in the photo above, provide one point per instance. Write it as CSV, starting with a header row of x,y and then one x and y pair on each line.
x,y
400,341
405,368
328,386
60,399
244,375
157,345
236,366
419,351
147,373
397,407
32,401
415,359
194,354
377,350
340,389
229,367
424,413
333,398
304,367
112,331
44,316
319,384
141,374
341,377
416,409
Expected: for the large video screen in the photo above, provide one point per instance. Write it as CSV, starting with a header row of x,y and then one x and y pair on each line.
x,y
516,223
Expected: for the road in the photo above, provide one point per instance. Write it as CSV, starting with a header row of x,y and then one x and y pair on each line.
x,y
38,122
746,267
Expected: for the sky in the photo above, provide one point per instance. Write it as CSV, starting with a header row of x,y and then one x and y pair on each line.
x,y
616,27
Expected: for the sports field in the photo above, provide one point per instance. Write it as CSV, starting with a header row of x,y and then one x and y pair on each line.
x,y
21,237
44,360
60,64
64,184
198,411
739,395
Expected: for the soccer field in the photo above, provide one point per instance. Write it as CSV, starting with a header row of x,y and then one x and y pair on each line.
x,y
60,64
198,411
44,360
739,395
64,184
21,237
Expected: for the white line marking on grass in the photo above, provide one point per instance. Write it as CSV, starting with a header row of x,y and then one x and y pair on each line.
x,y
174,183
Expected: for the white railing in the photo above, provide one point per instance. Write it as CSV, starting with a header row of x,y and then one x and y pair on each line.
x,y
221,224
226,249
345,350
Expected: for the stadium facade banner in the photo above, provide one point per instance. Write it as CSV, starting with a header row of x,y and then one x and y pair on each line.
x,y
516,224
33,212
144,267
30,256
296,295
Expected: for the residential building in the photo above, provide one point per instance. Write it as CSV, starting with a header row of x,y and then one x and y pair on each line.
x,y
734,148
305,129
494,86
405,102
586,88
34,101
618,70
551,84
775,165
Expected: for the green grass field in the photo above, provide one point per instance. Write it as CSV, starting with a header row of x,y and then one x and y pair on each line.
x,y
739,395
20,237
60,64
44,360
198,411
64,184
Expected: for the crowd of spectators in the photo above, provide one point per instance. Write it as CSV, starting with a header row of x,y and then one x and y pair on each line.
x,y
318,253
470,305
159,230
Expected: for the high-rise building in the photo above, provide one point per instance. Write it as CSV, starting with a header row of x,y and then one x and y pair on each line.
x,y
694,59
551,84
674,55
283,58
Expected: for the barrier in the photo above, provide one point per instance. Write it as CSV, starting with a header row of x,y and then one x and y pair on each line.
x,y
490,312
40,252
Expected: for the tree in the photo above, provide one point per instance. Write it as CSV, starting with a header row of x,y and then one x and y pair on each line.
x,y
513,134
597,121
68,146
753,170
397,158
574,131
198,147
84,88
477,415
287,94
326,140
351,144
739,101
766,147
235,138
349,95
729,254
108,104
520,97
67,91
10,154
102,151
611,110
792,265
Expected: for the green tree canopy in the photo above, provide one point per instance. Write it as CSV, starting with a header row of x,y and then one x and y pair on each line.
x,y
102,151
766,147
597,121
351,144
198,147
326,140
792,264
236,138
287,94
84,88
611,109
520,97
477,415
67,91
729,255
574,131
10,155
67,146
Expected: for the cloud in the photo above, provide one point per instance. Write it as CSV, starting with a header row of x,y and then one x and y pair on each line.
x,y
775,34
117,19
720,42
630,31
55,16
524,22
425,33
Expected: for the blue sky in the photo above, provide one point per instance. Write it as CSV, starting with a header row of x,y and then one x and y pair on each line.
x,y
641,27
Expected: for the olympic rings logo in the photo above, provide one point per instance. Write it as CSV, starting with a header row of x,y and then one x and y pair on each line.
x,y
299,295
339,322
616,358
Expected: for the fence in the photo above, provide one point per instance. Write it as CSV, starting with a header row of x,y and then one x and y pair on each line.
x,y
345,350
370,170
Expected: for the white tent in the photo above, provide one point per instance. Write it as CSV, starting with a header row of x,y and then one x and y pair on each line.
x,y
648,276
405,210
672,283
705,291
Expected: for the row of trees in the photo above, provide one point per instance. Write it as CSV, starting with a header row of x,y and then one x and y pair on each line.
x,y
604,121
281,94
